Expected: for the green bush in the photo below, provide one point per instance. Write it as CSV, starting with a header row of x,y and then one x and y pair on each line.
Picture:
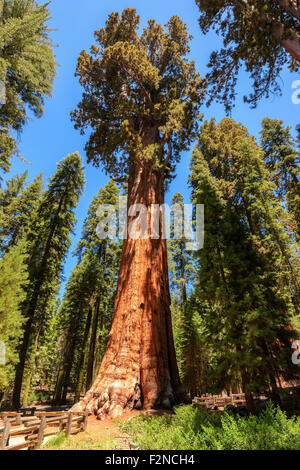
x,y
197,429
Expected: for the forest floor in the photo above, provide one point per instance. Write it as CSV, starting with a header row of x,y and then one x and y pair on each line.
x,y
100,435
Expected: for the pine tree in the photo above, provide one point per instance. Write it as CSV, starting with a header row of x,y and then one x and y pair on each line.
x,y
13,285
27,68
237,161
245,318
282,159
92,285
49,240
182,268
8,150
183,272
17,207
192,352
141,101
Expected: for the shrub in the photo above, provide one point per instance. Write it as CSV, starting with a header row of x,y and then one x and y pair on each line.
x,y
197,429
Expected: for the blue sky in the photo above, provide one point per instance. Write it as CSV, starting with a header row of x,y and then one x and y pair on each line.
x,y
45,141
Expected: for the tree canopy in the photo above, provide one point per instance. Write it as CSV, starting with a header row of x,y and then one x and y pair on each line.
x,y
141,94
27,68
260,35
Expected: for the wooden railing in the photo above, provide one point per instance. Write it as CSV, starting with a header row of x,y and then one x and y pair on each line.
x,y
222,401
35,429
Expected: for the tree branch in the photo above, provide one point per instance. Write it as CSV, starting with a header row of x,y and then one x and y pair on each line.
x,y
146,94
291,43
291,6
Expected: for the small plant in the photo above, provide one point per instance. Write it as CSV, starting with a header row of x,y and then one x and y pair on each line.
x,y
198,429
57,442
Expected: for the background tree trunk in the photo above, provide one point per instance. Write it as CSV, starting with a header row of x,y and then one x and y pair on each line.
x,y
139,369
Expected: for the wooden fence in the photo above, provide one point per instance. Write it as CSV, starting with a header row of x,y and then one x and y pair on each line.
x,y
221,401
35,429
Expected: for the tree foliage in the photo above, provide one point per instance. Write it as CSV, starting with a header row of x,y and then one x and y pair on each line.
x,y
48,242
263,36
13,284
244,315
27,68
141,94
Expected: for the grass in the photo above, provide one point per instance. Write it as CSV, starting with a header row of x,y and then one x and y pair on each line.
x,y
192,428
197,429
84,441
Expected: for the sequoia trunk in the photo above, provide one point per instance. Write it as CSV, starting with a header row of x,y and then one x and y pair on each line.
x,y
139,369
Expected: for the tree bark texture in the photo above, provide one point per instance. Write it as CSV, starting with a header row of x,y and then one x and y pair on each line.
x,y
139,369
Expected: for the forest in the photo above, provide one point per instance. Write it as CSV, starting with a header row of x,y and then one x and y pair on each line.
x,y
139,324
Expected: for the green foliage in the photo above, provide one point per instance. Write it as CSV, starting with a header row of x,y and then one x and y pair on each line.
x,y
240,294
192,352
194,429
282,160
141,94
86,311
18,203
27,68
8,149
254,35
27,65
13,284
48,240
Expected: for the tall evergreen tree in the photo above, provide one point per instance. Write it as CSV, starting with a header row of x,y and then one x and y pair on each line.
x,y
49,240
92,286
17,208
182,268
245,318
27,67
282,159
237,161
13,285
141,101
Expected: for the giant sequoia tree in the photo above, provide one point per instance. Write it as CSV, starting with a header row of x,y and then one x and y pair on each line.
x,y
263,35
141,101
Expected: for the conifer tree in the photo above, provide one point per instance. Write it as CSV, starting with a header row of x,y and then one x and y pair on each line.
x,y
183,272
27,68
237,161
13,285
192,350
244,316
48,243
17,207
282,159
141,102
182,269
92,285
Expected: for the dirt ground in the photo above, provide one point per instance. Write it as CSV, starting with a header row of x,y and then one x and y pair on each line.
x,y
103,435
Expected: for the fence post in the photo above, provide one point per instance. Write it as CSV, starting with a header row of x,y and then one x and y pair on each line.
x,y
18,420
85,420
40,436
5,434
69,423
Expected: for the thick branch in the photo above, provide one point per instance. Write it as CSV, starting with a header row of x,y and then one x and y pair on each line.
x,y
290,43
291,6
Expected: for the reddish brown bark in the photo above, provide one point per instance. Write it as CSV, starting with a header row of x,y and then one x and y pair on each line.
x,y
139,369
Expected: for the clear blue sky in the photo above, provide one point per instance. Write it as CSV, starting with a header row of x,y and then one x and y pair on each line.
x,y
45,141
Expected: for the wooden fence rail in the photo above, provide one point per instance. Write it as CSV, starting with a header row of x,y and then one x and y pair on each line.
x,y
222,401
35,429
